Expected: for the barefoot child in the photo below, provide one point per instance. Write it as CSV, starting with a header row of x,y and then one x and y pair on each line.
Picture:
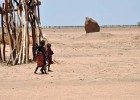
x,y
49,54
41,57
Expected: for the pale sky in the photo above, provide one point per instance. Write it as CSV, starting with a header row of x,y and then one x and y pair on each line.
x,y
105,12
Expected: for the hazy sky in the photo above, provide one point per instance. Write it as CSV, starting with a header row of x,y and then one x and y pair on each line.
x,y
105,12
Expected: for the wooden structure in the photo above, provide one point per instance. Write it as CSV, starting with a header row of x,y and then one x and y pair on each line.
x,y
16,17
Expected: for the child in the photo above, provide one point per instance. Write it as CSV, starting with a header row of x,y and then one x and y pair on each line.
x,y
41,57
49,54
40,61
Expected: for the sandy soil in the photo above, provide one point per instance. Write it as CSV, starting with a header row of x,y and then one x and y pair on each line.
x,y
95,66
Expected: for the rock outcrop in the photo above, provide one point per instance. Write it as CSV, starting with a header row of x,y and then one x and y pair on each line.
x,y
91,25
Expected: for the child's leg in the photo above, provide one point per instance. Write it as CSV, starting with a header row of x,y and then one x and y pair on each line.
x,y
49,67
45,69
42,68
36,69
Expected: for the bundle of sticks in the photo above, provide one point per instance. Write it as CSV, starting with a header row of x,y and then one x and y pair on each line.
x,y
16,17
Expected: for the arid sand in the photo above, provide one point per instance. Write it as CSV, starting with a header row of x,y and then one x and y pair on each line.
x,y
95,66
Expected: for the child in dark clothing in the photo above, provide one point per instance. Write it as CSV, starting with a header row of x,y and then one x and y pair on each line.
x,y
41,57
49,54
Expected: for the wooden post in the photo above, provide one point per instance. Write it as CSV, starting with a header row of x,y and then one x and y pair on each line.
x,y
27,44
34,33
0,54
24,32
38,10
33,26
8,30
20,35
3,40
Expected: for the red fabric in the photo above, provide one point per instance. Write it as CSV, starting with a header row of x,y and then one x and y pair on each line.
x,y
40,59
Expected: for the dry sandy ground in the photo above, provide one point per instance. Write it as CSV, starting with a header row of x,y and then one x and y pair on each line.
x,y
96,66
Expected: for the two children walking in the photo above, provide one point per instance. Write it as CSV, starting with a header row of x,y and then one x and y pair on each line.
x,y
44,54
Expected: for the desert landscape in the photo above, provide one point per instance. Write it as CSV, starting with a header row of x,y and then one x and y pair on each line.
x,y
103,65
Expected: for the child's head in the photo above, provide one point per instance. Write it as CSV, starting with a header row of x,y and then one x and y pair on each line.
x,y
48,45
42,42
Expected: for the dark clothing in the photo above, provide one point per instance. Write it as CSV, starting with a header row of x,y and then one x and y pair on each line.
x,y
49,54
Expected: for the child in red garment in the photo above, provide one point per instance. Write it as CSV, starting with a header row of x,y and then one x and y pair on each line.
x,y
49,54
40,61
41,57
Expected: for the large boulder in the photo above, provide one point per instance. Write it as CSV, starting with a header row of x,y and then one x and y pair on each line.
x,y
91,25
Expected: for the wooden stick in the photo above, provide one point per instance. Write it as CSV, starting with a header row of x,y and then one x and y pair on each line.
x,y
25,29
7,27
3,40
34,39
20,36
0,54
38,10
